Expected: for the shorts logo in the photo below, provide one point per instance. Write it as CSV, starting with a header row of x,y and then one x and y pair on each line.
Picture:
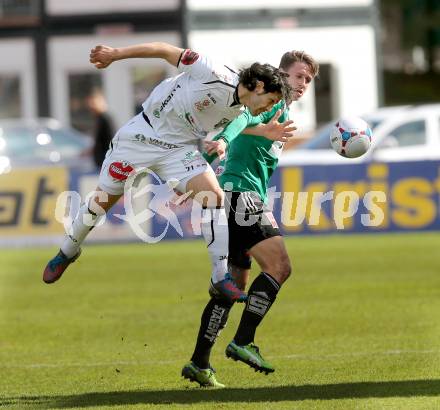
x,y
162,144
189,57
156,113
120,170
191,157
140,138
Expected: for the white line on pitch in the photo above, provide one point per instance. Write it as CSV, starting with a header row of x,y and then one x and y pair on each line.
x,y
161,362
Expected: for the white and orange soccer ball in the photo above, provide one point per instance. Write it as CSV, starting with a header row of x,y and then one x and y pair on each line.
x,y
351,137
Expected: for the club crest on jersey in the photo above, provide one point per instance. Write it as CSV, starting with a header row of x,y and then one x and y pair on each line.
x,y
189,57
202,105
120,170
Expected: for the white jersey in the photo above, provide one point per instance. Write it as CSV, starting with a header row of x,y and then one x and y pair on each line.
x,y
199,100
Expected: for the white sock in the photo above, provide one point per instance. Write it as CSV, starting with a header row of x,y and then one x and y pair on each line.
x,y
216,234
81,226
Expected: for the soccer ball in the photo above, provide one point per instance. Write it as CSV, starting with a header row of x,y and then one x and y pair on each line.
x,y
351,137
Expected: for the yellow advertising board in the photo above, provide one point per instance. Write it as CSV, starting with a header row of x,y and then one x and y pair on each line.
x,y
27,201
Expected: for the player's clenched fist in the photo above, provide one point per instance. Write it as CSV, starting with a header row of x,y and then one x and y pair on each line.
x,y
102,56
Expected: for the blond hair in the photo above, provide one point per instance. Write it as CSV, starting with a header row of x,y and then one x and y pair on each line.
x,y
294,56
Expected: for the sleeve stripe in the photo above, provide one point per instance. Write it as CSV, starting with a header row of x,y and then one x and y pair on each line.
x,y
180,57
222,82
230,69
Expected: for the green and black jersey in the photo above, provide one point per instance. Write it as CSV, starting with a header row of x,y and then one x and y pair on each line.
x,y
251,160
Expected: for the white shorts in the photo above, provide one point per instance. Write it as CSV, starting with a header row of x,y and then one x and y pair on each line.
x,y
136,146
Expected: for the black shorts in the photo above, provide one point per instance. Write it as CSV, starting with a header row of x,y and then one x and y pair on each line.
x,y
249,223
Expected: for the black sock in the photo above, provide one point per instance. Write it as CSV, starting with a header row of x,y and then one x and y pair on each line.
x,y
261,296
213,320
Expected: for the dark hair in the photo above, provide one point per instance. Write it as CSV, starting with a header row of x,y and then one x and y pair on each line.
x,y
275,81
295,56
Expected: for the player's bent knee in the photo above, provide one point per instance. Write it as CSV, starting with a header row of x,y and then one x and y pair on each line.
x,y
281,270
286,270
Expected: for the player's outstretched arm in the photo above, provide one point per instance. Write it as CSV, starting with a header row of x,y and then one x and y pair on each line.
x,y
102,56
273,130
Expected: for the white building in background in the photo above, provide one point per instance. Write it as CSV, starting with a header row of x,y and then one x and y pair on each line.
x,y
339,34
47,72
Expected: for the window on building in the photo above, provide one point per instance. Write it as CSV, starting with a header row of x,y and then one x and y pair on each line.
x,y
323,95
144,79
10,101
411,133
81,86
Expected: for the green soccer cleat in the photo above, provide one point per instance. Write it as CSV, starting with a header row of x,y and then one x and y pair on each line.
x,y
249,354
205,377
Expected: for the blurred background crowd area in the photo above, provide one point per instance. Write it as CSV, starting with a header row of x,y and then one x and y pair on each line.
x,y
372,53
379,59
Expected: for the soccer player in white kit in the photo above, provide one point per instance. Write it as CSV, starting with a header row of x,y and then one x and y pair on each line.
x,y
163,138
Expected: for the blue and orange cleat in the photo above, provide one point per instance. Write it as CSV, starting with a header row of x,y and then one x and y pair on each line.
x,y
228,289
57,265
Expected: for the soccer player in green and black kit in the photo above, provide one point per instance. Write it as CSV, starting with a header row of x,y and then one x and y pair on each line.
x,y
253,230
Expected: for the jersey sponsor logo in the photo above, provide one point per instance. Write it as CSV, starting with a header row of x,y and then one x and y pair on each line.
x,y
166,101
222,123
257,305
189,57
120,170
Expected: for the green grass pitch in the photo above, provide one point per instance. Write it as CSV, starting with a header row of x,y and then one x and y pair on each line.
x,y
357,326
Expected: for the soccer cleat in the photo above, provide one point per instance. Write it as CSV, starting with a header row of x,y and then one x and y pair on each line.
x,y
228,289
205,377
57,265
249,354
